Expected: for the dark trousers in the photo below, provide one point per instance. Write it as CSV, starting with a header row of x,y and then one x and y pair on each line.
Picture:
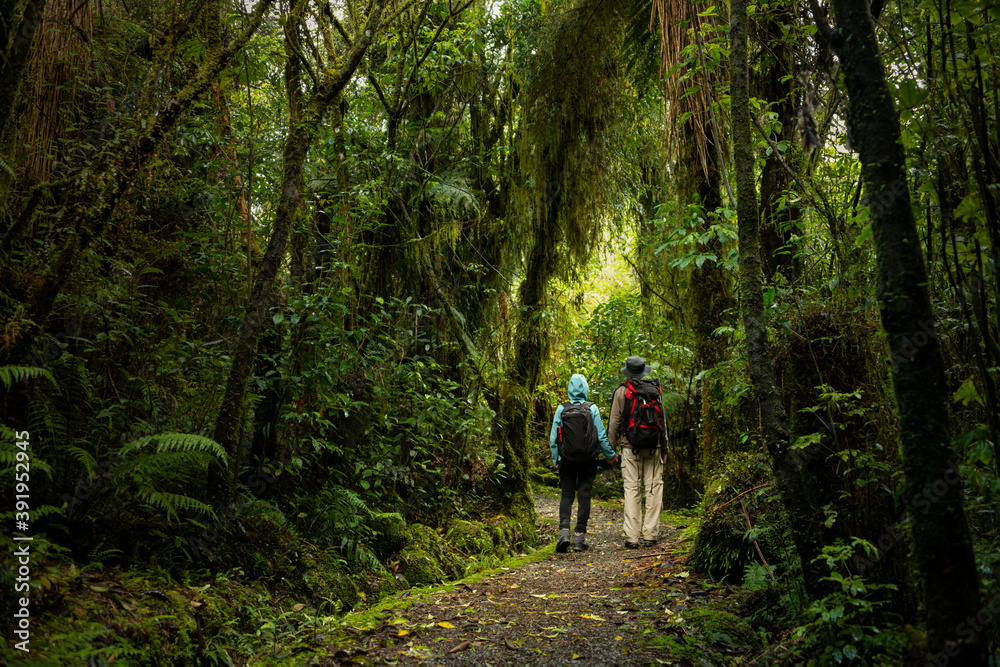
x,y
576,479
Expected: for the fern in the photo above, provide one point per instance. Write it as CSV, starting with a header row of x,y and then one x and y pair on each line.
x,y
171,503
154,467
362,555
177,442
755,577
11,374
85,459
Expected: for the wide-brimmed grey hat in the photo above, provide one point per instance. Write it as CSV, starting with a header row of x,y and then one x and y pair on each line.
x,y
635,367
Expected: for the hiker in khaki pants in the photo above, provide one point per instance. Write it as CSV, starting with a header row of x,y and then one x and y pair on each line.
x,y
644,464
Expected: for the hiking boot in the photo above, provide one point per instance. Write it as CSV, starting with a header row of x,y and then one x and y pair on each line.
x,y
563,544
578,542
647,543
631,545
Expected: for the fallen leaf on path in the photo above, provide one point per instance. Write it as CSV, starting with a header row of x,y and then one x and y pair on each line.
x,y
591,617
402,633
445,624
461,647
511,645
577,656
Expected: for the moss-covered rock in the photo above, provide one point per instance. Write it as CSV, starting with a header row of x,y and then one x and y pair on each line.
x,y
469,537
420,569
717,625
427,558
544,477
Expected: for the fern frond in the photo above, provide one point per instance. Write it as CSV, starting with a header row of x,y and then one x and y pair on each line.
x,y
177,442
171,503
11,374
157,468
36,513
84,457
362,555
9,450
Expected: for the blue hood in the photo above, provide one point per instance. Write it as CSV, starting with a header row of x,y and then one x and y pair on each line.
x,y
578,388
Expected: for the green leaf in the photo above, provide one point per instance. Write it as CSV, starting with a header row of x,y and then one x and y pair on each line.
x,y
967,393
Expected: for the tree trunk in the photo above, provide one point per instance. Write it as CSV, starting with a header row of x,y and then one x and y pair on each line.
x,y
59,55
774,422
776,87
230,421
943,545
531,341
711,293
15,58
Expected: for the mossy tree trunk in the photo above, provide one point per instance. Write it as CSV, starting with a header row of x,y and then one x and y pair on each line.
x,y
531,345
12,68
229,423
943,546
774,421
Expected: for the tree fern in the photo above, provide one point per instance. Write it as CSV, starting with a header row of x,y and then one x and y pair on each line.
x,y
11,374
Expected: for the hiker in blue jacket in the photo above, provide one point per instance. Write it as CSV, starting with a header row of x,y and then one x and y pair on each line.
x,y
576,444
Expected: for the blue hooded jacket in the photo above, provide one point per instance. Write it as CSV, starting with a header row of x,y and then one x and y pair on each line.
x,y
578,390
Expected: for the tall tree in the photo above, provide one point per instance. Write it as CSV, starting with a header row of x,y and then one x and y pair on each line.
x,y
774,421
229,424
940,532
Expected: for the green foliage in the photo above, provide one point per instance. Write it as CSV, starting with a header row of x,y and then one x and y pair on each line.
x,y
152,465
844,627
11,374
742,492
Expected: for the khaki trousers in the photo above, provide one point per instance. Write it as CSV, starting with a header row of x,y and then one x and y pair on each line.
x,y
647,470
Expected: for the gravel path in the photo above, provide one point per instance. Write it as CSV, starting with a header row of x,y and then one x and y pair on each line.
x,y
603,606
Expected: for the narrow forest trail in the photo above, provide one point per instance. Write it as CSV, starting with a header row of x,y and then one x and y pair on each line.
x,y
606,605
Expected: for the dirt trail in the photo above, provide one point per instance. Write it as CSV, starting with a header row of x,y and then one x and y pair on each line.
x,y
593,607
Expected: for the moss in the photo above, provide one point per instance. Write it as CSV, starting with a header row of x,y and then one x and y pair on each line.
x,y
721,547
718,625
470,538
544,477
511,533
427,558
420,569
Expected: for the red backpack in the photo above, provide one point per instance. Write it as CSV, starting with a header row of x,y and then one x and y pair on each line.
x,y
642,414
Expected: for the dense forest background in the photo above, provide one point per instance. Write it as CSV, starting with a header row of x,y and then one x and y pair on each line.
x,y
292,290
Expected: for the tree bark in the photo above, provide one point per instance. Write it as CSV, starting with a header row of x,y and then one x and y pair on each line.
x,y
774,421
943,545
15,59
711,295
229,424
